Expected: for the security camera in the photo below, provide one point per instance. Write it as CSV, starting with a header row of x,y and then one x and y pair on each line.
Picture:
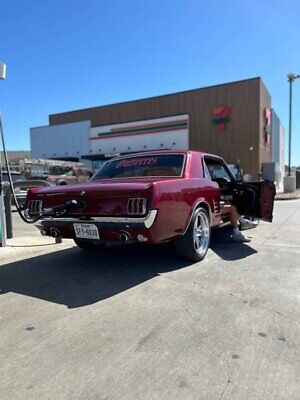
x,y
2,70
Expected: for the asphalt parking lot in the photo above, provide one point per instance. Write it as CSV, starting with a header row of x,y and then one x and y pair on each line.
x,y
133,322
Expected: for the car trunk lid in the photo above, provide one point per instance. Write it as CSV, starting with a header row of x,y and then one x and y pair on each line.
x,y
97,198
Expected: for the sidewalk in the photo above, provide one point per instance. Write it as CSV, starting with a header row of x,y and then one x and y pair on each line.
x,y
20,248
288,196
28,242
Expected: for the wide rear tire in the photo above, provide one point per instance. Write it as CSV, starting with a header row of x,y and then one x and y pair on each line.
x,y
194,244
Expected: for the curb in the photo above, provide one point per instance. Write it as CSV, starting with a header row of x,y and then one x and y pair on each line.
x,y
287,198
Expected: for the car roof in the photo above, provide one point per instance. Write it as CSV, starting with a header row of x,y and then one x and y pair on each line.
x,y
12,172
158,152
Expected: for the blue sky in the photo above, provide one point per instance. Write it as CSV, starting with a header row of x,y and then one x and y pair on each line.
x,y
64,55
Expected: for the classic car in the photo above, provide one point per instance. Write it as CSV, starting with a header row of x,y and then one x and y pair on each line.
x,y
152,197
73,176
20,193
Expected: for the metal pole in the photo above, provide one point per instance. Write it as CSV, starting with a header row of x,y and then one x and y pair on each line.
x,y
8,212
290,125
2,209
8,199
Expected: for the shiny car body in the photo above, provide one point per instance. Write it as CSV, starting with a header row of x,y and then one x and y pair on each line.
x,y
151,197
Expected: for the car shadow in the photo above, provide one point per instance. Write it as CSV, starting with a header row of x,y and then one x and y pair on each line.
x,y
77,278
225,248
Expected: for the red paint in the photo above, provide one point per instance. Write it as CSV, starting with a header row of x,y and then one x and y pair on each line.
x,y
175,198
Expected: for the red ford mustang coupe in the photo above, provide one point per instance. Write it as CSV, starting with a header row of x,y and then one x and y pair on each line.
x,y
153,197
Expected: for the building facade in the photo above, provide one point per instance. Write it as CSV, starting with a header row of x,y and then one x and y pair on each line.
x,y
277,149
14,157
232,120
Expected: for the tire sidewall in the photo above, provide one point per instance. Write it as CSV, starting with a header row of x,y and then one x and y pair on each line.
x,y
185,244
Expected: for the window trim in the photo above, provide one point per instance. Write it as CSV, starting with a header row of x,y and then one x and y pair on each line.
x,y
206,173
222,162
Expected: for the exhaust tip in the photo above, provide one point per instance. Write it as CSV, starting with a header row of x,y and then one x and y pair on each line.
x,y
55,233
124,237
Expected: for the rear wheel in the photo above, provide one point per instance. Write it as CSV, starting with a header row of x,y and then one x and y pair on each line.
x,y
195,242
87,245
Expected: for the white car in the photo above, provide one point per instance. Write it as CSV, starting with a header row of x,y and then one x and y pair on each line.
x,y
16,177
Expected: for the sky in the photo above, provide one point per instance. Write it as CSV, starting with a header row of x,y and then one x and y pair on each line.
x,y
65,55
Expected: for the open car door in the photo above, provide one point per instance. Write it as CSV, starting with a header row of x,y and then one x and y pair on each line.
x,y
255,199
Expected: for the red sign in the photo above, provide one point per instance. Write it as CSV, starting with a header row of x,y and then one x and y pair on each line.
x,y
267,125
221,117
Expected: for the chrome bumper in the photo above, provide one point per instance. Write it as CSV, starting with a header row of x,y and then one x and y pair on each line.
x,y
108,222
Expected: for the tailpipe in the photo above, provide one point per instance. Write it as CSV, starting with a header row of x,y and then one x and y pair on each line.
x,y
55,233
124,237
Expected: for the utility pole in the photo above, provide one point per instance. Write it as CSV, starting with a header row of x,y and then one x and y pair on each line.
x,y
2,210
289,181
291,77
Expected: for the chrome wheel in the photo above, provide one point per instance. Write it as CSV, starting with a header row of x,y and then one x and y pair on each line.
x,y
201,232
193,245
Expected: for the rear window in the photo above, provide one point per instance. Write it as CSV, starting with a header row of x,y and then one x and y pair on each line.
x,y
146,166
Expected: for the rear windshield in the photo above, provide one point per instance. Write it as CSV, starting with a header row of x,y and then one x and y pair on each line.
x,y
145,166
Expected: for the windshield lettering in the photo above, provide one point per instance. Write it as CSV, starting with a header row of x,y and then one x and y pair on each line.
x,y
136,162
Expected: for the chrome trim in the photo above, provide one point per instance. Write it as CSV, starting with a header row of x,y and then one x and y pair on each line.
x,y
201,232
194,209
151,218
148,220
52,194
35,207
223,162
137,206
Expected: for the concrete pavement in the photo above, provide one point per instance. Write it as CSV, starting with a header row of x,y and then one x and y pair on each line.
x,y
133,322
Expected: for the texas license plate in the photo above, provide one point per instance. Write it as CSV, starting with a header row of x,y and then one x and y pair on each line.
x,y
86,231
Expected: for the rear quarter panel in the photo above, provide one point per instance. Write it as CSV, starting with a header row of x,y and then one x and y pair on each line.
x,y
176,200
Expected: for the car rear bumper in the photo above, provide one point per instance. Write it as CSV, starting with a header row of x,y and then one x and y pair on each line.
x,y
109,227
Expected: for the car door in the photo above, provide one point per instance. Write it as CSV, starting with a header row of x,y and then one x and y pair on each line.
x,y
220,173
255,199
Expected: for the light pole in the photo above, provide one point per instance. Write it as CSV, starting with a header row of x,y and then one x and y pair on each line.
x,y
2,213
291,77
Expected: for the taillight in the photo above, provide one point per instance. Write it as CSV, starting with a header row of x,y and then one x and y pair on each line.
x,y
35,207
137,206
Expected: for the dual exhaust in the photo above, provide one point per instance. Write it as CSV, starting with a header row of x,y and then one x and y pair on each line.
x,y
55,233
